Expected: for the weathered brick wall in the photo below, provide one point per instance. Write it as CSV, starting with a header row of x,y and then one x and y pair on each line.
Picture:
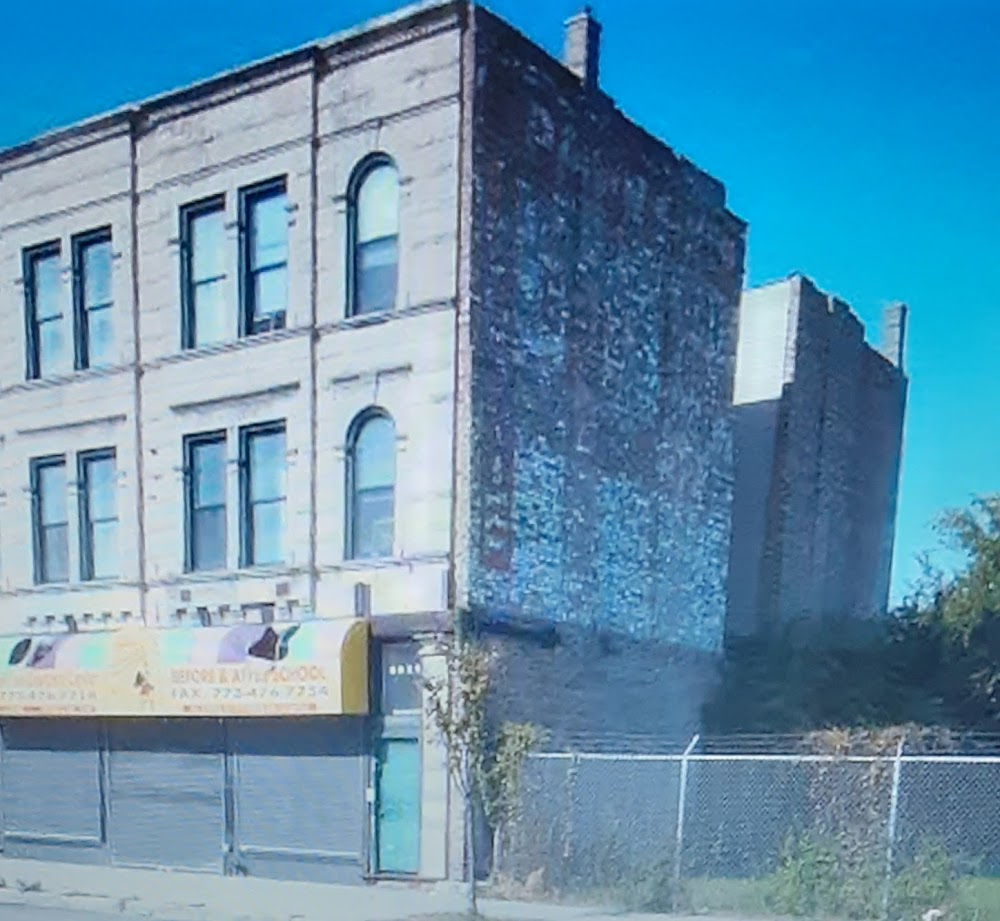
x,y
765,356
882,414
755,434
593,691
604,279
837,480
830,507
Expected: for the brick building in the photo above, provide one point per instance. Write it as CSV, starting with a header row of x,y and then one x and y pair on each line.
x,y
818,434
312,354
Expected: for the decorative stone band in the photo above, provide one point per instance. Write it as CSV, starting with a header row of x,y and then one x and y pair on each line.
x,y
315,667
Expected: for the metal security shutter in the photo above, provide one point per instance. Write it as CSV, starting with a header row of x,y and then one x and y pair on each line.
x,y
51,783
167,807
299,792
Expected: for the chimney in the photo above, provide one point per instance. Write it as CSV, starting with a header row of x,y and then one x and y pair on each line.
x,y
894,333
582,47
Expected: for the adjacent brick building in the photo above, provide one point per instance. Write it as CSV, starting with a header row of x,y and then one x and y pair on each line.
x,y
818,428
313,354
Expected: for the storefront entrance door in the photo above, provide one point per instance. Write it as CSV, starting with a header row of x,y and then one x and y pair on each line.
x,y
397,814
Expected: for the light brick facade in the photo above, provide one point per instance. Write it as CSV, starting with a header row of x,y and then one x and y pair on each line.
x,y
311,117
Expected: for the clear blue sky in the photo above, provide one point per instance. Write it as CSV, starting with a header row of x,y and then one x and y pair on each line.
x,y
860,139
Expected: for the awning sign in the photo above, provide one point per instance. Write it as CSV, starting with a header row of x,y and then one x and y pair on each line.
x,y
316,667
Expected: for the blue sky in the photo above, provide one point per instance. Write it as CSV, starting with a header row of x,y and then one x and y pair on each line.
x,y
860,139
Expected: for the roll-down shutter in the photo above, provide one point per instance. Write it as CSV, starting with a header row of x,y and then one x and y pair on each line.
x,y
51,782
167,806
300,797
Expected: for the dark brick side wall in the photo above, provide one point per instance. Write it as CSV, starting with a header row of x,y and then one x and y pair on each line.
x,y
832,508
604,281
591,692
882,413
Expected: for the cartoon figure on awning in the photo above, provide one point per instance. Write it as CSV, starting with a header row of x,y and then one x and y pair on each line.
x,y
36,651
255,641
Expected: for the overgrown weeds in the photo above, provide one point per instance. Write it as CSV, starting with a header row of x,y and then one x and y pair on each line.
x,y
817,878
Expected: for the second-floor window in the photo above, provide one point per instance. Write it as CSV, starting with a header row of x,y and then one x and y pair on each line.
x,y
203,273
205,501
98,515
50,522
264,257
371,486
92,261
262,487
50,349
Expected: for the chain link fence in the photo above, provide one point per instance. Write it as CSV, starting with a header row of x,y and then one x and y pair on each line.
x,y
606,821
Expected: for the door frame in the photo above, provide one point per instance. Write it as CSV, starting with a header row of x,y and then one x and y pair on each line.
x,y
405,725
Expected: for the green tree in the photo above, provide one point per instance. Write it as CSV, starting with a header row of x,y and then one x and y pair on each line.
x,y
484,761
934,661
963,609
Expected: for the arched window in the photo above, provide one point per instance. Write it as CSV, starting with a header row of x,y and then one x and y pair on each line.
x,y
373,236
371,485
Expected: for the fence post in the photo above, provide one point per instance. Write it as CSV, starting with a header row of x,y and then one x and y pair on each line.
x,y
679,838
897,770
571,777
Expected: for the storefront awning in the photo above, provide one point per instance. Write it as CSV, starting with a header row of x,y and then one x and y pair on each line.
x,y
315,667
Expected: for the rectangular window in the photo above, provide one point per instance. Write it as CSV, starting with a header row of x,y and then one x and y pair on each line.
x,y
49,350
93,299
203,273
205,477
51,519
264,257
262,491
401,677
98,515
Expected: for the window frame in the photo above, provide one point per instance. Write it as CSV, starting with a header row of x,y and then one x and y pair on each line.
x,y
402,652
35,466
248,197
81,319
188,213
360,173
246,436
29,258
192,442
83,460
354,431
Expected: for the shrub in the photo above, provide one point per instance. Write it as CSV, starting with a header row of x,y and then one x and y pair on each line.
x,y
929,880
818,877
657,891
809,878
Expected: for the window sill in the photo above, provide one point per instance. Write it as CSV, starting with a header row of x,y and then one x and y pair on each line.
x,y
386,562
375,562
378,317
230,345
371,318
201,576
70,588
70,377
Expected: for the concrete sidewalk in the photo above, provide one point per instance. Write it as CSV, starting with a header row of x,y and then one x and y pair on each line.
x,y
179,896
